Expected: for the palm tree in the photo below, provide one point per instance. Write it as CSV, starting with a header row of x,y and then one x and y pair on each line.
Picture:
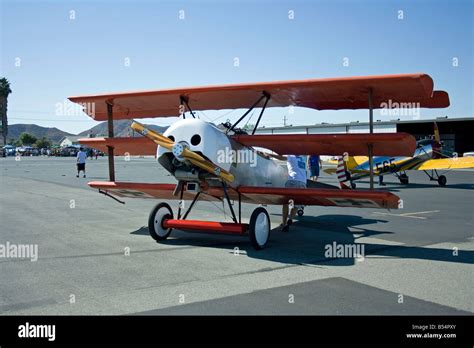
x,y
4,92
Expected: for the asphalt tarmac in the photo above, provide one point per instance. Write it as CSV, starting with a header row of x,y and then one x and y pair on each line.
x,y
94,255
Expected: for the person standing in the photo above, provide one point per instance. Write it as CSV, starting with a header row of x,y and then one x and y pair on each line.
x,y
296,179
314,165
81,162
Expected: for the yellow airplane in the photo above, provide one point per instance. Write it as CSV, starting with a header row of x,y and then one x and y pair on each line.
x,y
427,157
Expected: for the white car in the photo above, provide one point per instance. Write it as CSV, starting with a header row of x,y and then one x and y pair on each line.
x,y
468,154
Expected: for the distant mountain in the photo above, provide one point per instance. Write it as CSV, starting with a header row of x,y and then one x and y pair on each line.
x,y
53,134
121,129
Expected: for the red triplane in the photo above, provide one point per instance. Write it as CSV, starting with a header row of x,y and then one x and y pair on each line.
x,y
224,163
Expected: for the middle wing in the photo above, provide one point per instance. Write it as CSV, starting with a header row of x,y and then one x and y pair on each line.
x,y
384,144
447,163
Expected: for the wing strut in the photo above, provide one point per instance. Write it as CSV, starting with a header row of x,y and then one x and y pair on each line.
x,y
370,146
110,149
184,100
267,96
264,95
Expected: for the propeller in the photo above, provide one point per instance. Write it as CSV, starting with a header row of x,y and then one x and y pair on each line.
x,y
181,152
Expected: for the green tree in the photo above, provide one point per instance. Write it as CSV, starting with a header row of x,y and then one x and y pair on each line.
x,y
27,139
248,127
5,90
43,143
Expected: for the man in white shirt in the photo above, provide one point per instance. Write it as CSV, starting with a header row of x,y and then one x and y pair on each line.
x,y
81,162
296,179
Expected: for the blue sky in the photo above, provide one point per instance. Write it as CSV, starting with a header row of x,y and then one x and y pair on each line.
x,y
61,57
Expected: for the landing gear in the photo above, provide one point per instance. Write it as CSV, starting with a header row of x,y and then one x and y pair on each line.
x,y
259,228
442,180
434,176
158,215
403,179
349,178
161,221
300,211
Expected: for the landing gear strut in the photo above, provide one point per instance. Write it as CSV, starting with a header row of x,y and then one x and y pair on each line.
x,y
161,221
403,178
349,178
434,176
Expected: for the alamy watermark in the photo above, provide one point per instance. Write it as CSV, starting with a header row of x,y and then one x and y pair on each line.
x,y
229,155
344,251
391,108
67,108
20,251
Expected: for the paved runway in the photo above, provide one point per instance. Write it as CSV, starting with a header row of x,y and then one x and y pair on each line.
x,y
95,256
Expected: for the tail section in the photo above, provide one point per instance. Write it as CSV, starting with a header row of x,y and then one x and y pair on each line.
x,y
437,147
436,133
341,173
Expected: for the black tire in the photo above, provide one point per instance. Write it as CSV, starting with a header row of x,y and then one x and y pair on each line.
x,y
259,238
353,185
300,212
404,179
160,213
442,180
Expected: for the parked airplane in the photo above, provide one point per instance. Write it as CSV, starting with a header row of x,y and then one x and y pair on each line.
x,y
193,150
428,157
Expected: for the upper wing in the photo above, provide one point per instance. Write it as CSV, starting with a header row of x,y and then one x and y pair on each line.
x,y
447,163
122,146
321,94
386,144
259,195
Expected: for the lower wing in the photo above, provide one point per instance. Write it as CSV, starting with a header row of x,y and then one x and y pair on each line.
x,y
258,195
447,163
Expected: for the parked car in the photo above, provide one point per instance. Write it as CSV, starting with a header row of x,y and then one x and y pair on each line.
x,y
69,151
9,150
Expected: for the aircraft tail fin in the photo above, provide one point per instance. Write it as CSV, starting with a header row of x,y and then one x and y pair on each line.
x,y
436,133
341,173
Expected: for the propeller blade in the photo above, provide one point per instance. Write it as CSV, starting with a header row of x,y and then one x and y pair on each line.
x,y
180,150
158,138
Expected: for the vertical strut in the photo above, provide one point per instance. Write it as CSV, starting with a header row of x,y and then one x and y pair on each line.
x,y
371,146
267,96
192,204
228,202
180,198
110,149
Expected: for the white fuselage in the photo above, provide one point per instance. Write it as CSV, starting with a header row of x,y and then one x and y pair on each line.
x,y
247,165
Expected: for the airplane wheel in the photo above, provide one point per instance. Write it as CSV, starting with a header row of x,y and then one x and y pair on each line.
x,y
442,180
259,228
300,212
353,185
404,179
159,214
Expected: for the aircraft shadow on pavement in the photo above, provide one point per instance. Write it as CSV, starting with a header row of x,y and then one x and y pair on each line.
x,y
308,241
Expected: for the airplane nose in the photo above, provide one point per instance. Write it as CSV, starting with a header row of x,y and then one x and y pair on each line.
x,y
178,149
